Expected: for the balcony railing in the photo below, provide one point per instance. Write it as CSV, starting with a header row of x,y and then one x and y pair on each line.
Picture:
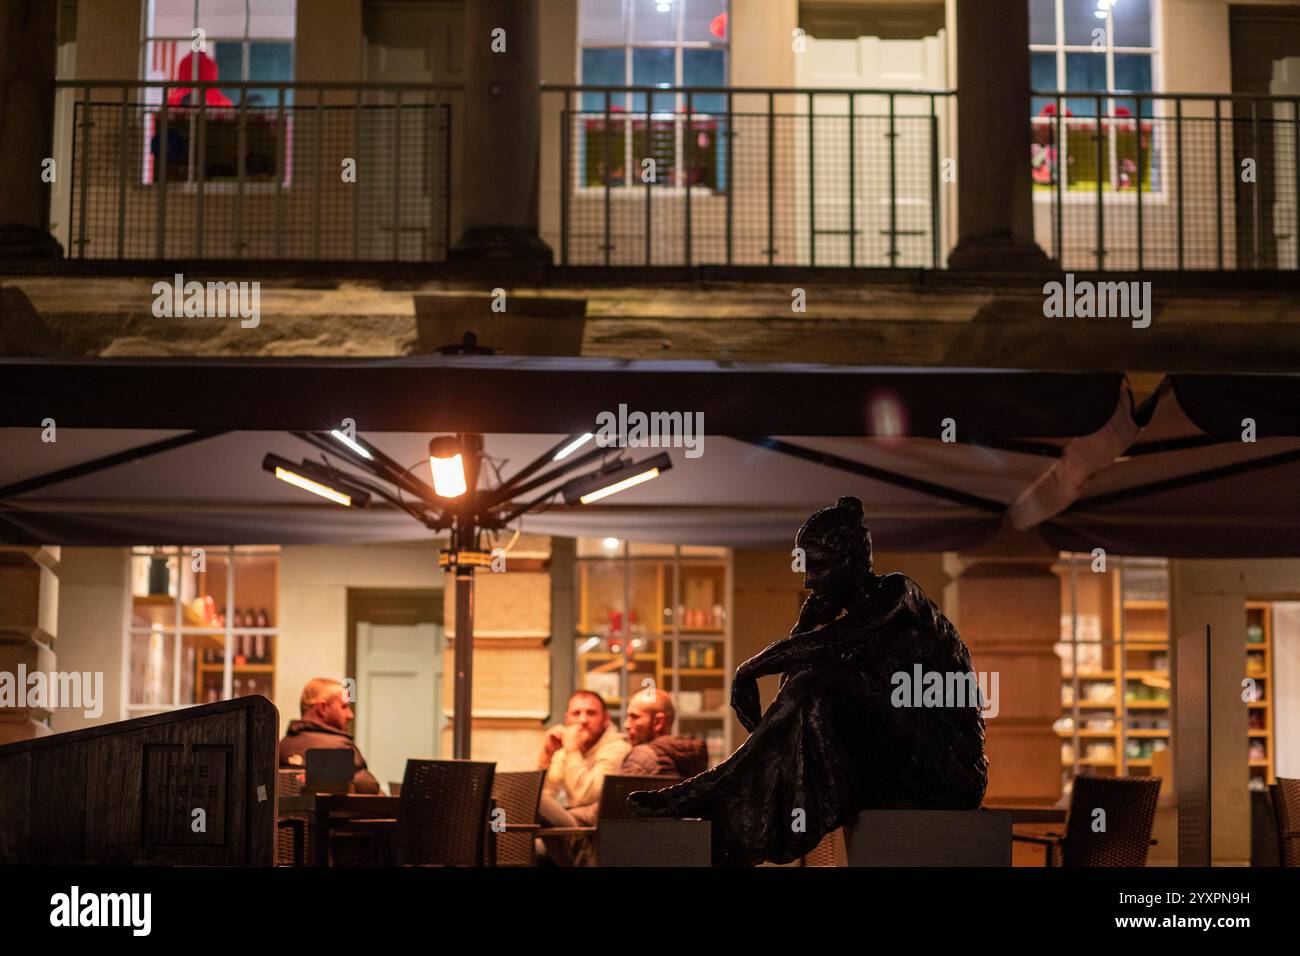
x,y
655,176
258,171
1126,181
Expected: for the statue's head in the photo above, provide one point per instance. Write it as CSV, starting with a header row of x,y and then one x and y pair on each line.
x,y
837,548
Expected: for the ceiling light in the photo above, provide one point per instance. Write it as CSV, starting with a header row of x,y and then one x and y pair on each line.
x,y
573,446
351,443
316,480
611,544
619,476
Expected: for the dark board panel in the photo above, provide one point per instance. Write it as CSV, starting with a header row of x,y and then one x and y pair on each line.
x,y
192,787
1192,747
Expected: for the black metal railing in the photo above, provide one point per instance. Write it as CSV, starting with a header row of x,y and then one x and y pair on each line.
x,y
679,176
260,171
1126,181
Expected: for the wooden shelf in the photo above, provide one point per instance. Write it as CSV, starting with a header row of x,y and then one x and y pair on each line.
x,y
243,668
1148,705
1261,613
696,671
163,607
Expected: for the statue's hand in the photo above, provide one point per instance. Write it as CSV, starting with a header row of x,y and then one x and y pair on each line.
x,y
744,698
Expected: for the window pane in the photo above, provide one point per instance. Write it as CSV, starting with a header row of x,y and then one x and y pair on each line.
x,y
152,665
1133,72
230,66
222,19
1042,76
170,18
270,61
654,20
603,67
704,21
1085,71
1042,21
271,19
1081,19
601,20
705,68
653,67
1132,20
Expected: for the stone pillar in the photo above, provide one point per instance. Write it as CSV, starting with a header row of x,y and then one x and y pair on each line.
x,y
27,67
502,132
29,613
995,222
1008,611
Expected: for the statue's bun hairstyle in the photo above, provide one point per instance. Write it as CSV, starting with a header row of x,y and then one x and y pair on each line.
x,y
852,505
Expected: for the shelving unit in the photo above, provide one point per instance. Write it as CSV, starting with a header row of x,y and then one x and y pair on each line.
x,y
677,605
1114,650
182,643
1259,668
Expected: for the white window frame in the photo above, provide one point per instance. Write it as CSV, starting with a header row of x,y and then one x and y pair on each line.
x,y
210,40
1060,48
632,184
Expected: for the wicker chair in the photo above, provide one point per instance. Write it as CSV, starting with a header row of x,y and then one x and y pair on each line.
x,y
292,832
826,852
518,794
1286,811
443,820
1130,805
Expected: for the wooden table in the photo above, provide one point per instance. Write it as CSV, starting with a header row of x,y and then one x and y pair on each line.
x,y
327,808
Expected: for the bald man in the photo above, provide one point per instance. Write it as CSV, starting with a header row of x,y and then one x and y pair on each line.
x,y
655,749
326,711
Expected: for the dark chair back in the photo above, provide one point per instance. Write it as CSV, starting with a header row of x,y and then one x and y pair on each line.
x,y
1130,805
518,793
444,812
618,786
1286,810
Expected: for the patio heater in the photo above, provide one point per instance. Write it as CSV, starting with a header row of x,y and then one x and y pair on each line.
x,y
456,503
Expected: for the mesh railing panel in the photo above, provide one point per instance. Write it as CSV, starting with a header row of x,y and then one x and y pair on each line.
x,y
777,186
1169,192
290,200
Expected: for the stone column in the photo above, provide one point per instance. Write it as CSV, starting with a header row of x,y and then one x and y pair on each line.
x,y
1008,611
995,222
29,613
27,67
502,132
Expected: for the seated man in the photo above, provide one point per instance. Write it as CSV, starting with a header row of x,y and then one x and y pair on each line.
x,y
577,756
324,724
650,717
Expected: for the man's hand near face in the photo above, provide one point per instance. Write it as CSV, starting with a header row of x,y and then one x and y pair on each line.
x,y
577,738
552,742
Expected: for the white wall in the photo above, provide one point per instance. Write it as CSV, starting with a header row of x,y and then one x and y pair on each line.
x,y
314,582
1286,688
93,590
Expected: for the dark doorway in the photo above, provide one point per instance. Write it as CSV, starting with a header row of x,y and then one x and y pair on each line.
x,y
1263,40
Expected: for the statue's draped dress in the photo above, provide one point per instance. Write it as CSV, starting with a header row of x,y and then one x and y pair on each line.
x,y
832,743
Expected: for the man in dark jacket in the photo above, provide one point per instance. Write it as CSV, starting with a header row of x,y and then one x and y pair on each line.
x,y
324,725
655,750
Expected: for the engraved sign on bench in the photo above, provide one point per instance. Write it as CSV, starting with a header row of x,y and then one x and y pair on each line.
x,y
177,783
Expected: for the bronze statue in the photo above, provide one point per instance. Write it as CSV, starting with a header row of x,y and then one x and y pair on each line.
x,y
838,738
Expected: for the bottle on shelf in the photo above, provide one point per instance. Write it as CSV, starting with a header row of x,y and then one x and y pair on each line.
x,y
263,619
259,649
241,650
238,619
237,688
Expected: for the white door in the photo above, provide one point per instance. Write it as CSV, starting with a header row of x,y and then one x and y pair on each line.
x,y
884,233
398,712
410,43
